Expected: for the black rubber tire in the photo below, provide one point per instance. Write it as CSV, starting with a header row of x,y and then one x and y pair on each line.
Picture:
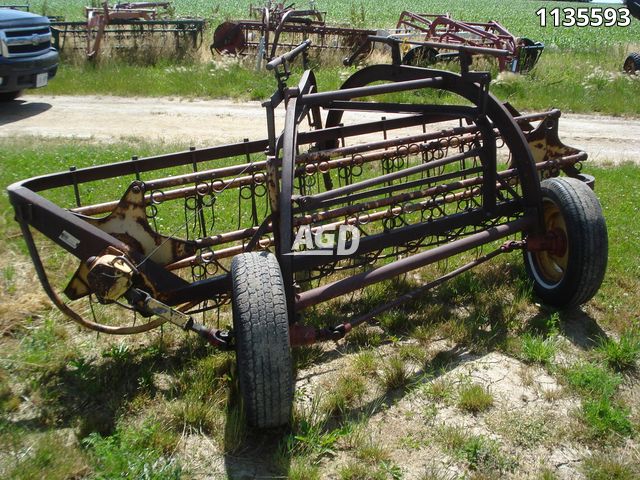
x,y
9,96
634,8
421,56
261,328
587,245
632,63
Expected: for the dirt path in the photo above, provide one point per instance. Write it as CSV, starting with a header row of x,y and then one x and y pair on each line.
x,y
211,122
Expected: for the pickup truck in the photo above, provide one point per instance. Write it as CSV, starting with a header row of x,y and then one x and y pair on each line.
x,y
27,59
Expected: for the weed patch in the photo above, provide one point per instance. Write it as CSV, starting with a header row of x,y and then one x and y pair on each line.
x,y
348,389
621,354
479,453
608,467
593,381
394,373
604,417
134,452
474,398
51,457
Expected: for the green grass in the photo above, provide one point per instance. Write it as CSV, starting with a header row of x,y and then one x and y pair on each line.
x,y
345,392
622,354
537,349
394,373
108,393
54,455
439,390
366,363
593,381
608,467
620,203
474,398
311,435
605,417
602,413
593,84
133,452
520,18
372,461
525,431
479,453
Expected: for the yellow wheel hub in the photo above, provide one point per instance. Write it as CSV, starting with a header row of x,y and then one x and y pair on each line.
x,y
552,265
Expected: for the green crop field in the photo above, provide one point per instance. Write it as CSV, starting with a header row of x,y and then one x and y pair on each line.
x,y
518,16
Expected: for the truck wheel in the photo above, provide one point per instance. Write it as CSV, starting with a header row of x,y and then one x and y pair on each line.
x,y
261,329
632,63
9,96
571,278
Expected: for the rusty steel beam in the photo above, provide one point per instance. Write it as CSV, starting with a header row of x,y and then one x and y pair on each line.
x,y
350,284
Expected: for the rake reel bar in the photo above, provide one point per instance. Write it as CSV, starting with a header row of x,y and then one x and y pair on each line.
x,y
429,38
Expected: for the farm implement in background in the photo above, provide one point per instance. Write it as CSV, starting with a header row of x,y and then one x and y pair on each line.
x,y
274,28
127,24
632,62
348,194
431,38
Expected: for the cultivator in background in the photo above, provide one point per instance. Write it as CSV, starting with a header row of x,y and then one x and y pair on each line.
x,y
396,185
632,62
274,28
127,24
429,38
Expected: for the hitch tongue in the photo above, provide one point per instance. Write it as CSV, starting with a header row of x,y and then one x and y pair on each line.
x,y
148,305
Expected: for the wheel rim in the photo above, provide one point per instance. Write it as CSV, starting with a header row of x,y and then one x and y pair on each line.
x,y
229,39
551,266
630,66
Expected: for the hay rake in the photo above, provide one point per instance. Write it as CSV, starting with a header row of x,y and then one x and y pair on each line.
x,y
348,194
430,38
125,25
274,28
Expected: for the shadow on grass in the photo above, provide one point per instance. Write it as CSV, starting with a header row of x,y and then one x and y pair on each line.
x,y
581,329
90,395
441,364
250,452
577,326
258,455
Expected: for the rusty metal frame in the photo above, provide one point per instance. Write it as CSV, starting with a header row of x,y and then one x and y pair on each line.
x,y
440,31
274,20
124,19
503,202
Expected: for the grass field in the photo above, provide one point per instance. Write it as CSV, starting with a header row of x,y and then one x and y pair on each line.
x,y
409,388
593,84
520,17
580,70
